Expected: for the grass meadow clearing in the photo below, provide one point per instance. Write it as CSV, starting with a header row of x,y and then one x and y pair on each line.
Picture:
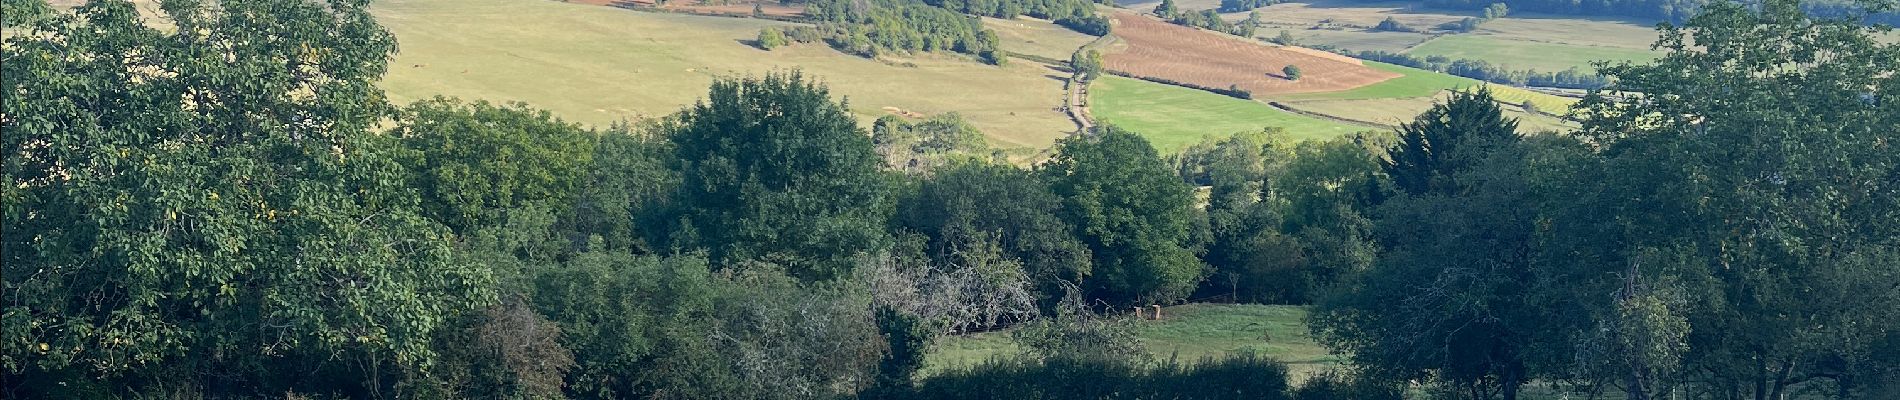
x,y
1174,117
1185,333
1037,37
596,65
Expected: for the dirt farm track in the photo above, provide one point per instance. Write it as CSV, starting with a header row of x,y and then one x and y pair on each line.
x,y
1152,48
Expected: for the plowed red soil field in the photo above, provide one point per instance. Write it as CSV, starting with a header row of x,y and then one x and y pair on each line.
x,y
1152,48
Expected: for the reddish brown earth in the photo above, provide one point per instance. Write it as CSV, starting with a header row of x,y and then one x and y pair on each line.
x,y
1152,48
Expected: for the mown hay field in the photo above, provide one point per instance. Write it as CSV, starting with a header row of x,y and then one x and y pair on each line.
x,y
597,65
1036,37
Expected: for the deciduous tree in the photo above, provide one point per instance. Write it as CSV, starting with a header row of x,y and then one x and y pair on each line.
x,y
772,169
207,209
1135,217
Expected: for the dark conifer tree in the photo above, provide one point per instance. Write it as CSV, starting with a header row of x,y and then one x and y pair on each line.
x,y
1445,139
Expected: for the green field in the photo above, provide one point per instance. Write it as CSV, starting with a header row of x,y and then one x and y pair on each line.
x,y
596,65
1174,117
1187,332
1522,54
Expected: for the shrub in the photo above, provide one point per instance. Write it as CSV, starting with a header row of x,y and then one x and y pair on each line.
x,y
1335,384
1392,25
771,38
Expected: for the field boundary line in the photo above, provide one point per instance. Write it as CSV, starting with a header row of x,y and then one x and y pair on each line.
x,y
1284,107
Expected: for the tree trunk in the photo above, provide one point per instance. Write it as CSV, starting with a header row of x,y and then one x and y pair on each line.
x,y
1781,380
1636,387
1761,377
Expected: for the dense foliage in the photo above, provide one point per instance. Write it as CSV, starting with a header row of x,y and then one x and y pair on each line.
x,y
1677,247
772,169
1284,218
475,161
1135,218
209,209
231,209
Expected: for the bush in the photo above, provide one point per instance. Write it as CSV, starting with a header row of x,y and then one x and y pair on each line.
x,y
1292,72
771,38
1392,25
1335,384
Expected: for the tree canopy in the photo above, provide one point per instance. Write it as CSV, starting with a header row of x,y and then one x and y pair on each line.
x,y
216,189
772,169
1135,217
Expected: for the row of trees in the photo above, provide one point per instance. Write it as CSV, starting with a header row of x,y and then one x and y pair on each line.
x,y
870,28
1078,15
1208,19
1572,78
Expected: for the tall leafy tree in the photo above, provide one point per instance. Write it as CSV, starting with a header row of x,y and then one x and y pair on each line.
x,y
1321,205
1754,167
206,208
772,169
1135,216
1446,300
1086,64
